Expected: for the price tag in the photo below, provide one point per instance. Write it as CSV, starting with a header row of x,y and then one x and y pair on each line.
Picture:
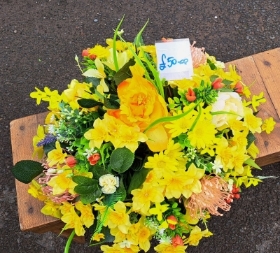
x,y
174,60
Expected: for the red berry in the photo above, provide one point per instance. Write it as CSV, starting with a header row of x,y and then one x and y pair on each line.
x,y
237,196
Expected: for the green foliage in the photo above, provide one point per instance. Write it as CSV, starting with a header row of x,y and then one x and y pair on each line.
x,y
87,188
118,195
124,72
138,179
88,103
26,170
121,159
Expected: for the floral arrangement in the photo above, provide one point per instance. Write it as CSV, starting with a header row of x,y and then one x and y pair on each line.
x,y
129,156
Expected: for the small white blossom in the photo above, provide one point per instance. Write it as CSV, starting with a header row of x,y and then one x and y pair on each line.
x,y
109,183
125,244
217,166
89,152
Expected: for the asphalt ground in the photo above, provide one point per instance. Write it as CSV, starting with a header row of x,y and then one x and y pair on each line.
x,y
38,42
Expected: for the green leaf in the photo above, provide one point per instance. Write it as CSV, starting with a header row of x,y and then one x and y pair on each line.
x,y
227,82
26,170
138,41
83,180
49,147
90,197
111,103
124,72
138,179
250,139
95,81
88,103
252,163
86,189
121,159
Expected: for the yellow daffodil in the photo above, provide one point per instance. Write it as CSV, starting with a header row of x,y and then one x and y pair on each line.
x,y
166,248
61,183
196,235
98,73
97,237
251,121
35,189
56,156
119,218
52,209
87,217
143,198
38,151
99,51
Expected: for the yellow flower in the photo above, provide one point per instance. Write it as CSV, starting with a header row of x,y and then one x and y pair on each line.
x,y
202,137
142,198
193,185
196,235
174,183
52,209
122,58
99,51
61,183
257,100
268,125
86,216
117,248
75,91
97,237
56,156
97,135
251,121
119,218
167,248
160,163
253,150
73,220
120,45
141,104
158,210
100,74
38,151
144,236
35,189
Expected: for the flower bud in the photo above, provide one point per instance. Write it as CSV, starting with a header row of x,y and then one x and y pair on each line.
x,y
177,241
217,84
190,95
94,158
71,161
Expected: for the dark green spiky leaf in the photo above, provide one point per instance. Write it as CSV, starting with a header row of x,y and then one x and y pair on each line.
x,y
252,163
137,179
111,103
124,72
26,170
121,159
88,103
250,139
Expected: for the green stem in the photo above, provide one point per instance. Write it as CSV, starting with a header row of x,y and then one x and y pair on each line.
x,y
69,241
114,46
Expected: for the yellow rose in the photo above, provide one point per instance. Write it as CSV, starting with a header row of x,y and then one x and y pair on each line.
x,y
141,104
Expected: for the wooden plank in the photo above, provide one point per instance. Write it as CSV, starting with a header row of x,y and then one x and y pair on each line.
x,y
29,208
258,79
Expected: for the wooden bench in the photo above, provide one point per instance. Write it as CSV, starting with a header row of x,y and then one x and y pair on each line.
x,y
263,70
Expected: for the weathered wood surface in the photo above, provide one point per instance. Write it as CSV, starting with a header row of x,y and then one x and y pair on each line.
x,y
261,72
29,208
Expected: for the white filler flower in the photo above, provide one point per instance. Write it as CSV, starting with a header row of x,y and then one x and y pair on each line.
x,y
109,183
